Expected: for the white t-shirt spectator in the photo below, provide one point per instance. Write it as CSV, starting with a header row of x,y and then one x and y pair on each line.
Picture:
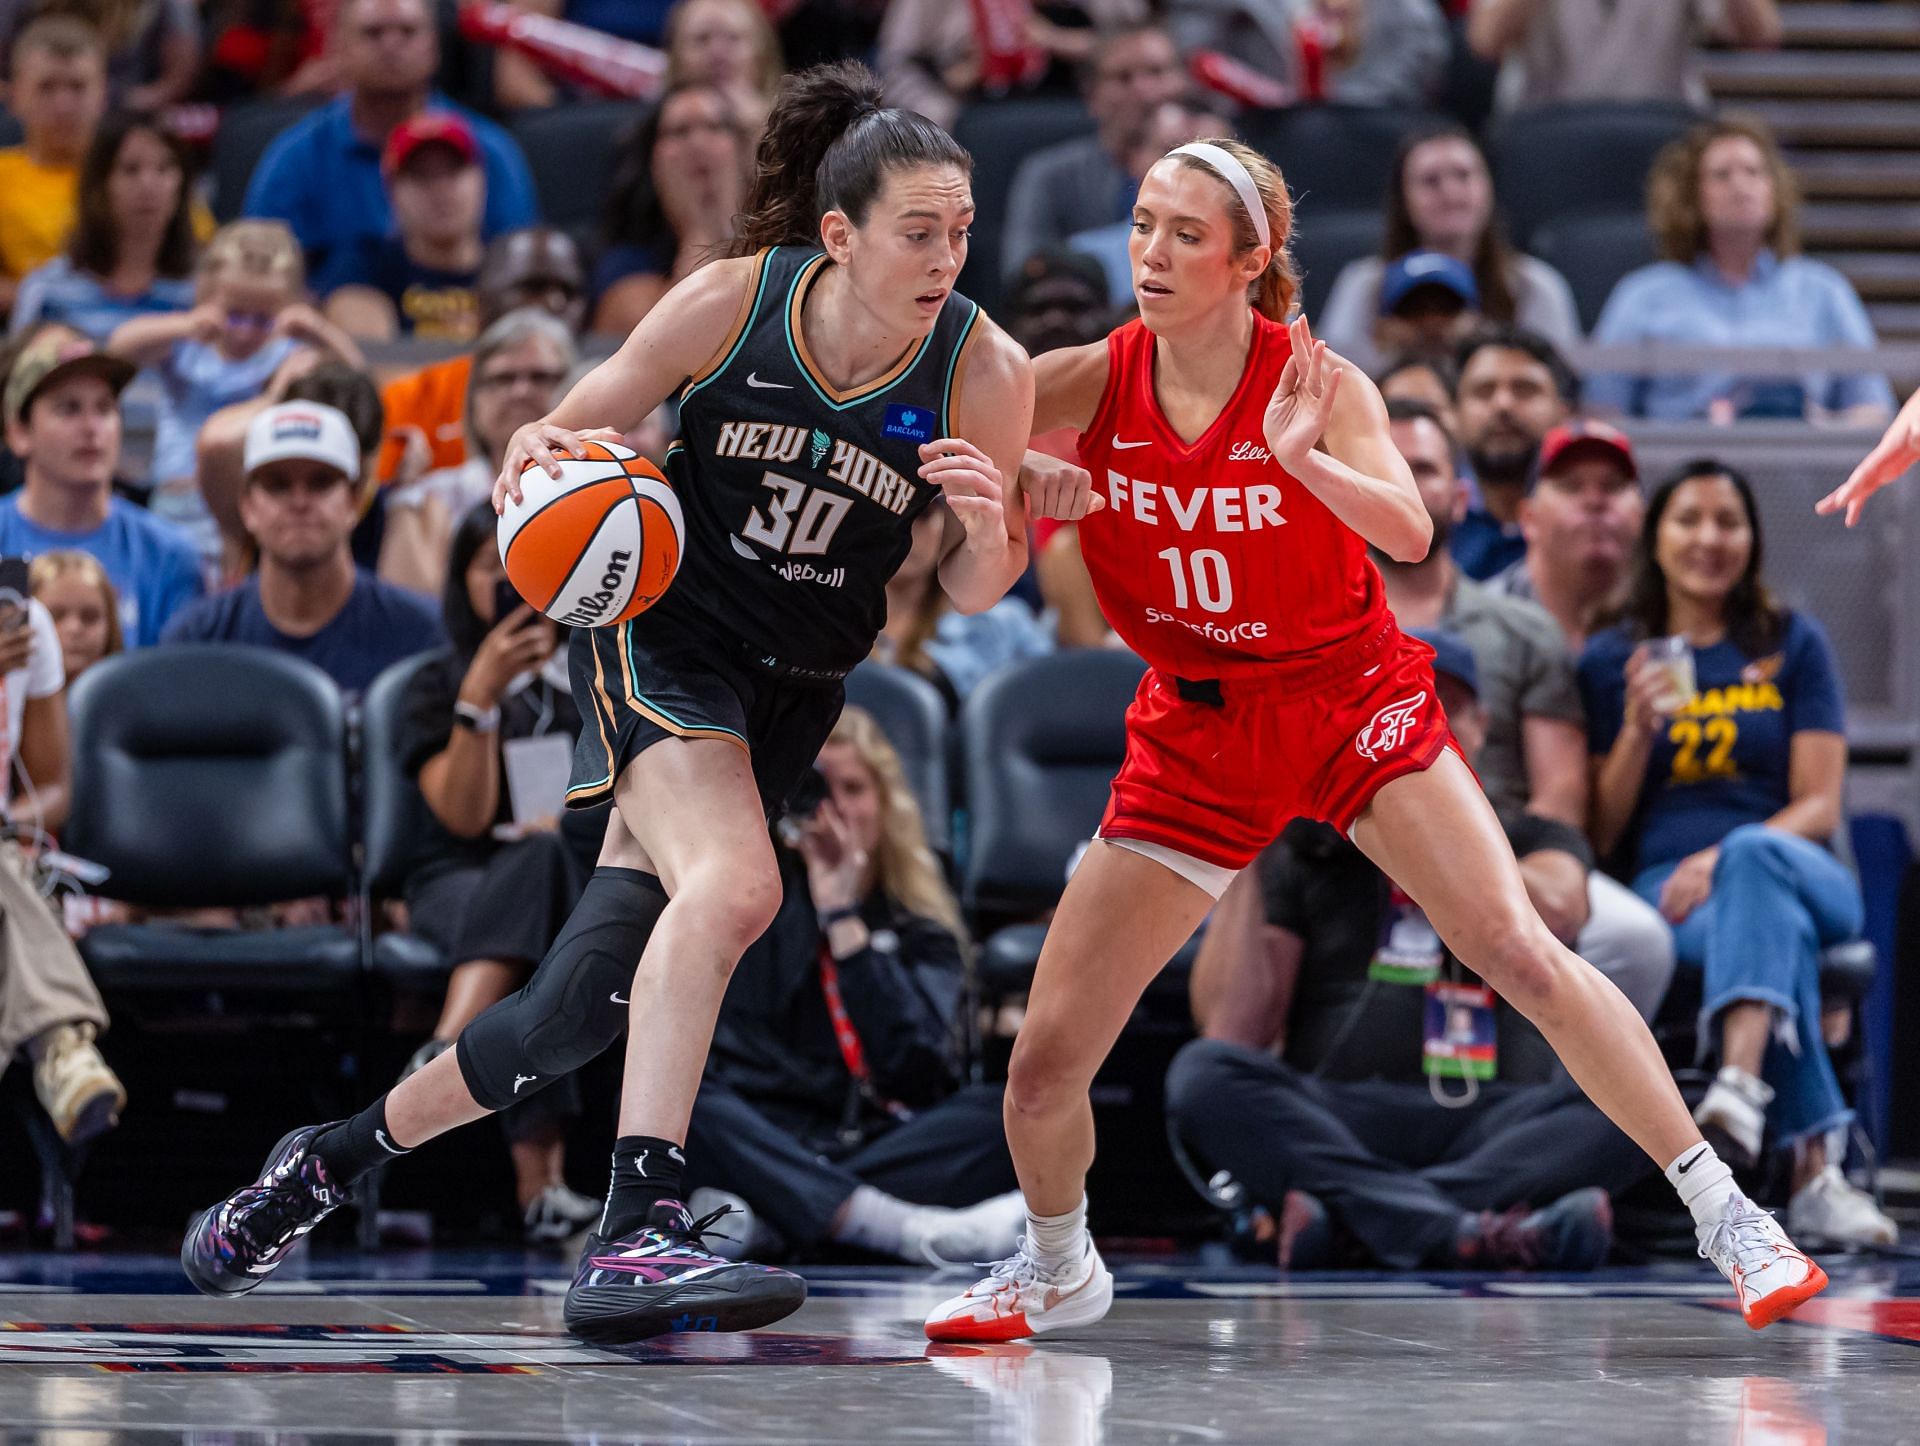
x,y
42,677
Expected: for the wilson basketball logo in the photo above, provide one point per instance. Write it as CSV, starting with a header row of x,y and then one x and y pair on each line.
x,y
1389,728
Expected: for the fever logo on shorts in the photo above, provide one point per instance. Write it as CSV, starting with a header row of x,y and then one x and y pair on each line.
x,y
1389,728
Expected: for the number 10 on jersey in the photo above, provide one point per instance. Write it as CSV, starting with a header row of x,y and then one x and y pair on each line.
x,y
1212,584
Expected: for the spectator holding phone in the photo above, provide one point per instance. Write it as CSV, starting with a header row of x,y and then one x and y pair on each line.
x,y
502,871
48,1004
300,503
79,597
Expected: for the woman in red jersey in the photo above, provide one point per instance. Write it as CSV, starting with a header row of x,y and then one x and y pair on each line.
x,y
1243,471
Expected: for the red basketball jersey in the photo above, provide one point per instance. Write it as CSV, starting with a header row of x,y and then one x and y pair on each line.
x,y
1210,560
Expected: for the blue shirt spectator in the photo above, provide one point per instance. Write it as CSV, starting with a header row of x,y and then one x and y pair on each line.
x,y
1723,760
198,382
151,566
1721,203
60,291
62,411
378,627
322,177
1794,301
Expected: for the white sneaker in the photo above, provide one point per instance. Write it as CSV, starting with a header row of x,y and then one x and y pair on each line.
x,y
1830,1210
987,1231
1021,1298
1735,1109
557,1214
1770,1275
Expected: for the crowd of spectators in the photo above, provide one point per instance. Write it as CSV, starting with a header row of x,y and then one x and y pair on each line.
x,y
299,497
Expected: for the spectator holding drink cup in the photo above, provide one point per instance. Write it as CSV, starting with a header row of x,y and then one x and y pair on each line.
x,y
1718,743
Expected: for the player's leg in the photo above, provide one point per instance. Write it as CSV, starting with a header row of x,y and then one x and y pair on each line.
x,y
1434,834
1122,917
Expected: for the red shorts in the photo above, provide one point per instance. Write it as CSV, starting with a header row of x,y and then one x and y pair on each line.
x,y
1219,780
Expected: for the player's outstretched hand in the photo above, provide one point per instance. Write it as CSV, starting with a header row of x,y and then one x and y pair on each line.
x,y
972,485
1054,488
1302,403
546,444
1898,450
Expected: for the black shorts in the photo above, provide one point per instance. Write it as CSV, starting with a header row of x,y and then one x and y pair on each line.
x,y
635,688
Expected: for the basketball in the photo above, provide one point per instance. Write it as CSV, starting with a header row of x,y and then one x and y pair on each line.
x,y
599,543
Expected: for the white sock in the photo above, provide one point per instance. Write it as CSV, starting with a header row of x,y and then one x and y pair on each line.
x,y
1705,1185
876,1221
1058,1239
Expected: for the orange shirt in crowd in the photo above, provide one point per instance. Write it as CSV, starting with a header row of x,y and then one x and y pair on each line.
x,y
432,402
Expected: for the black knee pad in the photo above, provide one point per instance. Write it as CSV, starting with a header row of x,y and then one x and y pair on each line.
x,y
575,1005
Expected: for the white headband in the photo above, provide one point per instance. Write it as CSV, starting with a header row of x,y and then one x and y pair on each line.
x,y
1229,169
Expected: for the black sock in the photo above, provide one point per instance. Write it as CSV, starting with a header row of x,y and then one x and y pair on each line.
x,y
645,1172
355,1146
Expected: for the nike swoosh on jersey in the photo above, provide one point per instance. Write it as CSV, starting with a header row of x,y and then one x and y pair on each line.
x,y
615,997
753,380
1120,446
521,1079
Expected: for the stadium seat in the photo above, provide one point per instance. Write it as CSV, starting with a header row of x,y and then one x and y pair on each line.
x,y
913,715
394,822
246,130
207,776
1334,156
1593,251
1000,135
1324,241
570,150
1564,160
1040,742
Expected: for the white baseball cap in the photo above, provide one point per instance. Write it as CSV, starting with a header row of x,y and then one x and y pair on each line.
x,y
307,431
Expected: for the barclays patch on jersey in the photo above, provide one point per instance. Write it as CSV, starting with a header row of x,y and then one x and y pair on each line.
x,y
913,423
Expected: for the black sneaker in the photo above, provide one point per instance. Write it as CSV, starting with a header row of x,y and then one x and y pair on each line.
x,y
236,1244
660,1280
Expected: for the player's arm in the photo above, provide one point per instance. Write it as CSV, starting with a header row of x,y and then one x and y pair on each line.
x,y
1327,426
675,341
1067,387
1898,450
986,542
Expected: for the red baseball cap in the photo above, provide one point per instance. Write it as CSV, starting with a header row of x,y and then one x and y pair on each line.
x,y
430,128
1580,435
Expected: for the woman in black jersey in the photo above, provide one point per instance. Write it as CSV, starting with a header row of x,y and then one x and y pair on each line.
x,y
827,375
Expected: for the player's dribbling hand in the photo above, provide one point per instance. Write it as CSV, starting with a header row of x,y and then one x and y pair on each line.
x,y
1058,489
1302,403
972,485
547,444
1898,450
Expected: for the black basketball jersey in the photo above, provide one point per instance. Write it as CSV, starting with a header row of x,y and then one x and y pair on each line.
x,y
799,499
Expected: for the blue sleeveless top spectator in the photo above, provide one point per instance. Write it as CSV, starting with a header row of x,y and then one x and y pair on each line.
x,y
300,507
131,251
1723,205
1722,799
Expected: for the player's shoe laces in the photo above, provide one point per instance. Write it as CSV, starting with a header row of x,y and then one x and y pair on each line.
x,y
661,1279
1020,1297
236,1244
1770,1275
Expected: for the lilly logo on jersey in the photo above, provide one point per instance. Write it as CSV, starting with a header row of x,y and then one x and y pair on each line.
x,y
1389,728
590,607
1249,452
913,423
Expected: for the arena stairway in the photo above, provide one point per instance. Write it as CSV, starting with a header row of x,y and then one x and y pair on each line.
x,y
1843,95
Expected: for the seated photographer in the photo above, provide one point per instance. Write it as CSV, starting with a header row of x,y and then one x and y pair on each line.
x,y
833,1101
1351,1075
486,723
48,1004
